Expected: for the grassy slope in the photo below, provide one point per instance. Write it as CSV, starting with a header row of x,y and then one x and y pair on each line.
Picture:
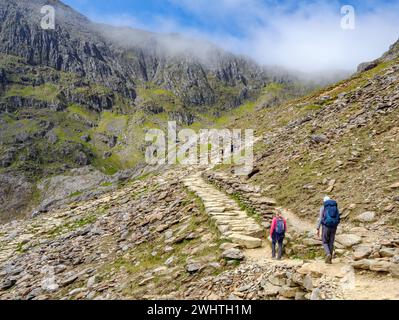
x,y
363,160
128,120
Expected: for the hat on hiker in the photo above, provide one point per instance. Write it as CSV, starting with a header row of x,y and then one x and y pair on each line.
x,y
326,198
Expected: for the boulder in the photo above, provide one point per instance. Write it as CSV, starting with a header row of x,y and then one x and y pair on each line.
x,y
168,249
7,284
362,252
69,281
309,268
246,241
368,216
297,278
363,264
380,266
267,201
361,231
270,290
277,280
49,284
388,252
233,254
76,291
348,240
93,280
227,245
319,138
193,267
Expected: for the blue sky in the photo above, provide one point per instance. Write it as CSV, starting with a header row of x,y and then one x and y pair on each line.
x,y
304,35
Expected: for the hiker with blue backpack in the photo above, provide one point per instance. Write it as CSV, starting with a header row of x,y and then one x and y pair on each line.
x,y
329,218
277,234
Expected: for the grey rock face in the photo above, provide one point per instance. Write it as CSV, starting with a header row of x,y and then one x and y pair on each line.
x,y
60,187
15,195
119,58
367,66
391,54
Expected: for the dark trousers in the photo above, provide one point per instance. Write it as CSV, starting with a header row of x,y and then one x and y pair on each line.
x,y
277,240
328,236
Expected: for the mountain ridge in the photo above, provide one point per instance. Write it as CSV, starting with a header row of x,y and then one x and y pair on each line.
x,y
73,97
68,48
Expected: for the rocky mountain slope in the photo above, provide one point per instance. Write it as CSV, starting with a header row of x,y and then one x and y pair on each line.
x,y
148,238
184,235
84,94
339,141
202,228
124,59
188,232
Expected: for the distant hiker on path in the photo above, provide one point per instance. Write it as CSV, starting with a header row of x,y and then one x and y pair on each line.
x,y
277,234
329,218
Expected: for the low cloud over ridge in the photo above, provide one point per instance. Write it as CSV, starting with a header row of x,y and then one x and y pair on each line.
x,y
306,36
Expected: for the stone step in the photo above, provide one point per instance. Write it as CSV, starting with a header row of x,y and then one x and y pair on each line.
x,y
232,222
246,241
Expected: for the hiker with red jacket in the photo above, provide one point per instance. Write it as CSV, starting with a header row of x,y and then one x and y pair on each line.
x,y
277,234
329,218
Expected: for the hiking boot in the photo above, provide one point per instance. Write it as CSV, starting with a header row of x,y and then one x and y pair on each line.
x,y
329,259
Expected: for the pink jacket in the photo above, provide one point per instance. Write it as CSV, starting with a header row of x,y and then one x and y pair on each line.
x,y
274,224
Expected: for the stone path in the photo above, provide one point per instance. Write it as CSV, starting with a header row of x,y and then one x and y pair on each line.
x,y
233,223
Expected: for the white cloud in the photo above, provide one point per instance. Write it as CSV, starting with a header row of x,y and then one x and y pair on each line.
x,y
307,37
311,39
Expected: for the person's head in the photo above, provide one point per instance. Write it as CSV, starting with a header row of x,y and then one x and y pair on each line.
x,y
278,213
326,198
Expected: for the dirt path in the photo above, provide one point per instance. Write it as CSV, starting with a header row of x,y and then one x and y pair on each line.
x,y
300,225
373,287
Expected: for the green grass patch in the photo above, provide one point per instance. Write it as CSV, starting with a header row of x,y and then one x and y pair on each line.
x,y
106,184
72,226
312,107
20,248
308,254
112,123
75,194
46,92
82,112
245,207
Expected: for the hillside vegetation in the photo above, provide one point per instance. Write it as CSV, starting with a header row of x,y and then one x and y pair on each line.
x,y
340,141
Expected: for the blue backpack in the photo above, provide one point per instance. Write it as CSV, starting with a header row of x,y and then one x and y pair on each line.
x,y
280,227
331,216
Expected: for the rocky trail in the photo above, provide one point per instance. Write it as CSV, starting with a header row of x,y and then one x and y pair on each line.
x,y
188,234
336,281
232,222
